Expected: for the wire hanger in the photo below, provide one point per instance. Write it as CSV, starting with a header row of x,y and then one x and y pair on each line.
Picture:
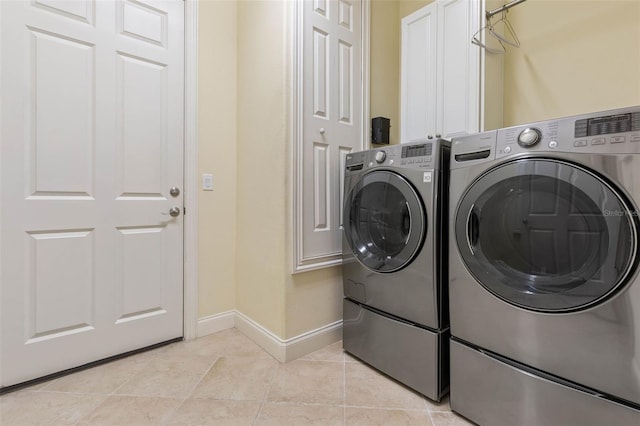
x,y
509,36
481,36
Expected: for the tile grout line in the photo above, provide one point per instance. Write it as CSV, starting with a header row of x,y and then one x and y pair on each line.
x,y
430,416
264,397
88,414
114,393
190,394
344,389
169,416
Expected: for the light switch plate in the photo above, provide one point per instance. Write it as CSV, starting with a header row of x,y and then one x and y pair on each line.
x,y
207,182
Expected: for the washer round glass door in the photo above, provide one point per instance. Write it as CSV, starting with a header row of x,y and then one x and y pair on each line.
x,y
384,221
546,235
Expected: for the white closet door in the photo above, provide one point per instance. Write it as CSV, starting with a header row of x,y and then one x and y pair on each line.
x,y
458,83
418,75
440,76
332,111
92,141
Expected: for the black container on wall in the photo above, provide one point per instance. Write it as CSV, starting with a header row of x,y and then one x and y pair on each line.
x,y
380,130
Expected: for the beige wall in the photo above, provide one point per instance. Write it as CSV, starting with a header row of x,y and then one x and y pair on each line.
x,y
575,57
217,155
407,7
263,164
245,250
313,300
385,64
384,58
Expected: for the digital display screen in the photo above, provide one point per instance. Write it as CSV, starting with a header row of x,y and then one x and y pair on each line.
x,y
619,123
417,150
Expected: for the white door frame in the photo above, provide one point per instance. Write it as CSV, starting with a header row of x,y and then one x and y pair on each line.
x,y
190,169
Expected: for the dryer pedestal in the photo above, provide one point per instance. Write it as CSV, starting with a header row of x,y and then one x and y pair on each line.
x,y
489,391
415,356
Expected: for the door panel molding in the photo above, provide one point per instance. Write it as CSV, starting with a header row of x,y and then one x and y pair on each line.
x,y
343,104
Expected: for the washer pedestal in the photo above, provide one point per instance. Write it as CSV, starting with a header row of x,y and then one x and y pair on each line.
x,y
415,356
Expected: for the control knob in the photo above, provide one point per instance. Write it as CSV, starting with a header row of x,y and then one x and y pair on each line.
x,y
380,156
529,137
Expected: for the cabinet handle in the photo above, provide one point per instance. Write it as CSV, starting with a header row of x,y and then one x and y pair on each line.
x,y
430,137
438,135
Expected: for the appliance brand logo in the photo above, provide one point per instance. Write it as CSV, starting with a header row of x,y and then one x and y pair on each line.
x,y
426,178
620,213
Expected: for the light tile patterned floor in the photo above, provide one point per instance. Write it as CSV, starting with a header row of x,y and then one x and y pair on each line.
x,y
225,379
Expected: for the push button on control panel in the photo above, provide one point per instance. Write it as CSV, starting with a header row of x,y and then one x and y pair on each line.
x,y
635,138
618,139
582,142
598,141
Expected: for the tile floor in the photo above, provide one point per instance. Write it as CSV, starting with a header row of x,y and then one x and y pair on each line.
x,y
225,379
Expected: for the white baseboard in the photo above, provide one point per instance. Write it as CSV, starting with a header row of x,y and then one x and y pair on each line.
x,y
313,340
262,337
215,323
282,350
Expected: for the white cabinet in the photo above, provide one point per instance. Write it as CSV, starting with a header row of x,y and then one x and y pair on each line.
x,y
443,78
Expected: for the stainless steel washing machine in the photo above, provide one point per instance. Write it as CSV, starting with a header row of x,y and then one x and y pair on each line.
x,y
544,285
394,262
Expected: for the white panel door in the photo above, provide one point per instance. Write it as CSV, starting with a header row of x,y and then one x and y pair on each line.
x,y
332,111
92,141
418,75
458,87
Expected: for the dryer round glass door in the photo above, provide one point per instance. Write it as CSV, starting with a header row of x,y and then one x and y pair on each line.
x,y
546,235
384,221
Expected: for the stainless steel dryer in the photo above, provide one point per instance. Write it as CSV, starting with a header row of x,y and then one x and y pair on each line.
x,y
394,269
544,285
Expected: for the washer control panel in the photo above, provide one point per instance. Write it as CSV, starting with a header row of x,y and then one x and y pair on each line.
x,y
415,155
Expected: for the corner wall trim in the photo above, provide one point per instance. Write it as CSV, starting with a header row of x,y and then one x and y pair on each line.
x,y
282,350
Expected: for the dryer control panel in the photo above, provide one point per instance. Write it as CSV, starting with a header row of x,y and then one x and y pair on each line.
x,y
614,131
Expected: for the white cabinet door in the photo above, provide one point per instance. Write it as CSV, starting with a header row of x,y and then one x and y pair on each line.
x,y
418,74
440,75
331,124
92,141
458,63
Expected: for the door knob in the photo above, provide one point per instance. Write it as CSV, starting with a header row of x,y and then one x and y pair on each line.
x,y
174,211
174,191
